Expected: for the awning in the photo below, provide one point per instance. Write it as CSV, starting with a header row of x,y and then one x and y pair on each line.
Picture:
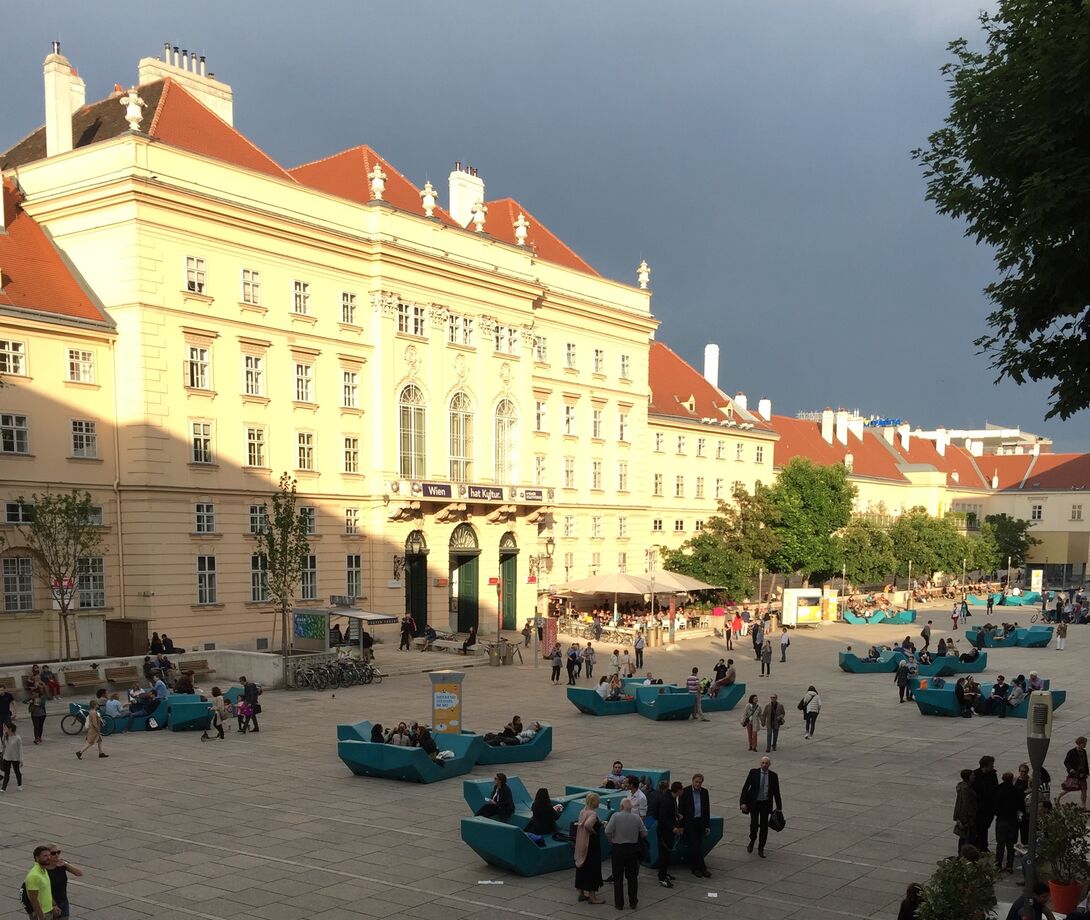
x,y
352,613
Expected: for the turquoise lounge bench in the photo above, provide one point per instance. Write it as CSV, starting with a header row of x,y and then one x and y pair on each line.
x,y
853,664
990,641
188,714
665,703
728,698
943,702
391,761
854,618
902,617
537,748
160,713
656,775
1034,637
588,701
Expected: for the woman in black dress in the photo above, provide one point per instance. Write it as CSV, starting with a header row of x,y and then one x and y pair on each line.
x,y
588,851
910,903
542,815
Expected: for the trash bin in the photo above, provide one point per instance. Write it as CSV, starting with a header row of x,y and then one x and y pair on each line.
x,y
493,656
508,653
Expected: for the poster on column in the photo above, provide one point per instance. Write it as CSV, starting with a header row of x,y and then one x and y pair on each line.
x,y
548,638
1036,580
446,707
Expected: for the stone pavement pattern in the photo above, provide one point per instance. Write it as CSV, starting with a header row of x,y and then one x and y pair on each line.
x,y
273,826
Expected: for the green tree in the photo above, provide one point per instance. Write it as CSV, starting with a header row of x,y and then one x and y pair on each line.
x,y
1013,161
810,503
867,552
63,531
959,890
930,544
1012,538
283,544
980,550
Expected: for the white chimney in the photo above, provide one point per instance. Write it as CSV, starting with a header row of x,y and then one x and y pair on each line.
x,y
183,69
1036,448
827,425
58,102
842,426
888,432
764,408
977,449
941,441
79,91
711,364
740,401
849,461
995,479
906,437
466,191
855,426
1018,449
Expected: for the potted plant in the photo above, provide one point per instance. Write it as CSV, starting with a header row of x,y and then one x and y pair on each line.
x,y
1062,844
959,890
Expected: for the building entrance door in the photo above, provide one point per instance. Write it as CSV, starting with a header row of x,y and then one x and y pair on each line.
x,y
464,556
509,581
416,580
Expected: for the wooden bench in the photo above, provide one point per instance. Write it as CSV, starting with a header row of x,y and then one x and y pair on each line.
x,y
7,683
123,675
445,645
88,678
199,667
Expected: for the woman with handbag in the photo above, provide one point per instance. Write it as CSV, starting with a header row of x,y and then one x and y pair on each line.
x,y
810,704
750,717
588,852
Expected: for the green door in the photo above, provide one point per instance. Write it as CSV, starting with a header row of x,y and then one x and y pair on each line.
x,y
465,570
416,589
509,582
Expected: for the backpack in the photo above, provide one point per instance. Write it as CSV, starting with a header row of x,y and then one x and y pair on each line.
x,y
24,899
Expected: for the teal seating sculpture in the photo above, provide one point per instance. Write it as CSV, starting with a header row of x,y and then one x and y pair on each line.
x,y
658,702
391,761
664,703
881,616
537,748
188,714
943,702
948,665
185,706
588,701
853,664
1033,637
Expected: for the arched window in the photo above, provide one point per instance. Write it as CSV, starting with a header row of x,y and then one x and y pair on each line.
x,y
506,420
461,438
410,405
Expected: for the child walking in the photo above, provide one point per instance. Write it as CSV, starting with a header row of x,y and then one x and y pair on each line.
x,y
12,757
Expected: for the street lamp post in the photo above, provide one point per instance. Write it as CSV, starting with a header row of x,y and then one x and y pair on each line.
x,y
1008,574
962,577
909,574
1038,736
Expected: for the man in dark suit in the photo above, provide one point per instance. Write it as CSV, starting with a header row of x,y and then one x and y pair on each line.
x,y
695,823
666,824
759,793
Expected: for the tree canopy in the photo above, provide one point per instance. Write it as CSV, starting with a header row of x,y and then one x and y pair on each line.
x,y
810,504
867,552
1013,161
1012,538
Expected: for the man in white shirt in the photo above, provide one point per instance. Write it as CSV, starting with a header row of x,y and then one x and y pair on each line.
x,y
636,796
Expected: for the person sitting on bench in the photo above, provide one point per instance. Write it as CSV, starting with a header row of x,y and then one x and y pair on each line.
x,y
401,736
543,814
50,680
501,804
430,635
940,652
970,656
997,702
1035,682
471,640
507,739
117,712
724,678
184,684
376,734
150,668
872,653
964,703
164,664
169,647
615,778
1018,692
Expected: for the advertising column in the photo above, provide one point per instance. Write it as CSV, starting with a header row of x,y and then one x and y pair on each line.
x,y
446,701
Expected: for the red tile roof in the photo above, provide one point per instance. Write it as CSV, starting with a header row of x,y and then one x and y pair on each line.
x,y
957,463
679,390
801,438
346,174
33,274
1047,472
500,223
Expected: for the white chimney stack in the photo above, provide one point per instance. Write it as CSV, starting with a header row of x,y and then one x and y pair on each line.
x,y
995,479
741,402
906,437
1036,448
466,190
827,425
182,66
855,426
842,426
711,364
977,449
764,409
888,432
940,441
59,95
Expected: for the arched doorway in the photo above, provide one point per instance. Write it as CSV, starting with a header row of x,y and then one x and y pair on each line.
x,y
509,551
416,579
464,551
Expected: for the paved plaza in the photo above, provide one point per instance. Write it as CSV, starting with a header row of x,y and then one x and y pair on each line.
x,y
273,827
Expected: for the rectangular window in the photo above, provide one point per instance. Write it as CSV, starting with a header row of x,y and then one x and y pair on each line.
x,y
259,578
622,562
460,329
569,419
721,450
352,520
656,525
595,563
679,487
206,518
91,582
94,516
569,472
300,302
541,349
569,525
599,361
718,490
308,579
18,584
626,367
305,444
698,525
304,382
253,374
679,526
699,487
84,439
596,527
351,454
81,365
622,427
12,357
348,308
657,485
353,575
539,470
410,319
259,518
569,355
760,453
622,527
739,452
507,338
622,476
194,274
596,474
681,444
251,286
309,516
1036,512
596,423
541,415
207,592
18,513
201,442
1076,512
569,565
350,389
660,442
255,447
701,447
198,374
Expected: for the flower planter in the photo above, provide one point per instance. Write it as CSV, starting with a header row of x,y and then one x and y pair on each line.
x,y
1065,898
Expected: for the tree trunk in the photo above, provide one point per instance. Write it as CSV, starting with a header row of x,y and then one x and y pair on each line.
x,y
67,641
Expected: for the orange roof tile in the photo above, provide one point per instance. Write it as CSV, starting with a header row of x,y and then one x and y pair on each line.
x,y
33,275
958,464
346,174
500,223
800,438
679,390
1046,472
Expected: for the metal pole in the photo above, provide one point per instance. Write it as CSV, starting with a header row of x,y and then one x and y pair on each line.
x,y
760,582
1008,573
909,574
1039,732
844,580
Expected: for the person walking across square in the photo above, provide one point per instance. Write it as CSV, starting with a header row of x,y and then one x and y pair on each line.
x,y
772,718
785,641
640,644
692,684
695,807
11,758
668,830
760,793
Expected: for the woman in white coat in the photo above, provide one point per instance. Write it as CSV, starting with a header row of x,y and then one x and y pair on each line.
x,y
811,706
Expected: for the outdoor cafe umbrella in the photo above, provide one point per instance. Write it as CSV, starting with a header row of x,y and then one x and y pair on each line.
x,y
615,584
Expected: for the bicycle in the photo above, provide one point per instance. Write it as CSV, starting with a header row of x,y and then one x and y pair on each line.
x,y
75,722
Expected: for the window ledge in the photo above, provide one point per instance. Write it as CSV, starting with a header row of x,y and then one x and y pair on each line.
x,y
350,327
351,410
198,296
254,399
85,459
206,536
308,319
308,474
506,355
412,337
573,371
624,378
460,346
313,407
216,606
257,469
200,391
82,385
252,308
209,467
258,605
17,456
352,536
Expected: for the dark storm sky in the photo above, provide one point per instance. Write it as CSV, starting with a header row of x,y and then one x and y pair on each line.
x,y
755,153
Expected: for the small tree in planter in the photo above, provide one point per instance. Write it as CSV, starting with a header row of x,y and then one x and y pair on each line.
x,y
959,890
1063,845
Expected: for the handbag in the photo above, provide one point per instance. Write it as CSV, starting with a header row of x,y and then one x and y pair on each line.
x,y
777,821
1071,783
802,705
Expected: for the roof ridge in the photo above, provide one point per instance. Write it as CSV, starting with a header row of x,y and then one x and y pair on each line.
x,y
529,214
167,84
331,156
